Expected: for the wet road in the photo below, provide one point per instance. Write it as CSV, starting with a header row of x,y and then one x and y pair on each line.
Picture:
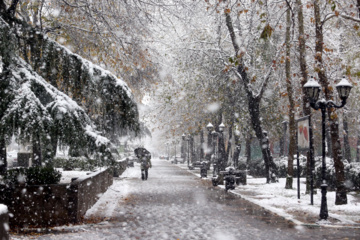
x,y
174,204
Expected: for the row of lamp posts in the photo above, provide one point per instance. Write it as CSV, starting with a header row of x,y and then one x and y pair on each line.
x,y
312,89
213,142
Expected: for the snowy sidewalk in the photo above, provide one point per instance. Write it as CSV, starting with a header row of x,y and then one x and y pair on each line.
x,y
284,202
174,204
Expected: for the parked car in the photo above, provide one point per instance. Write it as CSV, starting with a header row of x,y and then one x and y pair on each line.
x,y
130,160
178,160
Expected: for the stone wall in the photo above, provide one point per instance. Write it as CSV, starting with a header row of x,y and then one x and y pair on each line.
x,y
55,204
4,223
87,191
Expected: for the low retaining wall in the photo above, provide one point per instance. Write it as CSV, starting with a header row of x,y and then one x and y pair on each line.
x,y
86,192
55,204
4,223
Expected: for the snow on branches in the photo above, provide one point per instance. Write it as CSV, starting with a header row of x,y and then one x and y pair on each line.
x,y
31,105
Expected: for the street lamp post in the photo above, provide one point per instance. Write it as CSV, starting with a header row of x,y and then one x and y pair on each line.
x,y
210,145
187,138
218,151
312,89
175,142
175,153
188,148
167,150
183,153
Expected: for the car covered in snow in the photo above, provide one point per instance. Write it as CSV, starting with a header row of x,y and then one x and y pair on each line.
x,y
131,159
11,158
178,160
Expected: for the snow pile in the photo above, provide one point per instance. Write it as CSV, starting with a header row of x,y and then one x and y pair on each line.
x,y
285,202
66,176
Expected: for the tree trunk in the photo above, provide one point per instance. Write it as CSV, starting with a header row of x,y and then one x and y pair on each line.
x,y
304,78
3,160
253,105
36,154
283,140
202,145
347,150
230,140
292,127
54,144
2,7
341,197
254,109
12,8
248,148
237,151
357,148
222,153
209,149
191,149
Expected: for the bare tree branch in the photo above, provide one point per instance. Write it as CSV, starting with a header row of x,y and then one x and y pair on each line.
x,y
12,7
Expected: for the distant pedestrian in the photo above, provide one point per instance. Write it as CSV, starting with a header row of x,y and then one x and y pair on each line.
x,y
145,161
145,165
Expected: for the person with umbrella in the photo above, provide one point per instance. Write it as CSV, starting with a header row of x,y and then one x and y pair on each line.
x,y
145,161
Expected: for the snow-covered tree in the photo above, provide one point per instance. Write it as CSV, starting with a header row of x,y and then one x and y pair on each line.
x,y
41,112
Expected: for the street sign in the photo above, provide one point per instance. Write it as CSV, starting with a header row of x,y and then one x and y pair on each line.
x,y
303,134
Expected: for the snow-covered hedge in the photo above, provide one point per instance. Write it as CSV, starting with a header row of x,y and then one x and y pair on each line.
x,y
257,168
352,171
352,174
31,176
80,163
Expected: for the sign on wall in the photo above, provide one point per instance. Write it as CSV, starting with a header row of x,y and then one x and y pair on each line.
x,y
303,134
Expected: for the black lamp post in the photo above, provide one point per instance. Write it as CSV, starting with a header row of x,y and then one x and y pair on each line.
x,y
210,145
187,138
221,146
167,150
175,151
312,89
183,153
217,150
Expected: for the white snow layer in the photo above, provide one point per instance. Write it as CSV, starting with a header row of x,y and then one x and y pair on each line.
x,y
3,209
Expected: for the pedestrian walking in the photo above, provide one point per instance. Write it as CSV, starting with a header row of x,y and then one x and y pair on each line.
x,y
145,161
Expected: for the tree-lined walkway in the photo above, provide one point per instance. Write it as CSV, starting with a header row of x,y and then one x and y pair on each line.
x,y
174,204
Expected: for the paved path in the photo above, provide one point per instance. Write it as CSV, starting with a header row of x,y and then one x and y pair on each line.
x,y
174,204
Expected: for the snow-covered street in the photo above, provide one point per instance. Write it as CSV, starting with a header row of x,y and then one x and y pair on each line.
x,y
174,204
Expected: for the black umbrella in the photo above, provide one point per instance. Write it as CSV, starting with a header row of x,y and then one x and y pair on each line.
x,y
141,152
